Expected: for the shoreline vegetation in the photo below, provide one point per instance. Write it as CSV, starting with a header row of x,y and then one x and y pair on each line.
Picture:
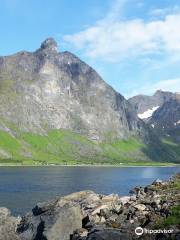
x,y
63,147
155,164
87,215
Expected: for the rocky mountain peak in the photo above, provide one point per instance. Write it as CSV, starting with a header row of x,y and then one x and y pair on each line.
x,y
144,103
59,91
158,92
49,45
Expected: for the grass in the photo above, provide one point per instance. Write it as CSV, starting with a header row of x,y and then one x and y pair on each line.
x,y
131,144
172,145
173,187
9,145
59,147
129,150
8,141
174,218
67,147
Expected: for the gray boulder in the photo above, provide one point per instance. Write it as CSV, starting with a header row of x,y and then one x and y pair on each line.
x,y
8,225
56,219
107,235
54,224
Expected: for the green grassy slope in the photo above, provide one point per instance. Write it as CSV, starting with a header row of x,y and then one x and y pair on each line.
x,y
66,147
173,217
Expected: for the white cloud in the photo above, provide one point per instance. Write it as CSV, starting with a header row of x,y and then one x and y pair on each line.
x,y
111,39
154,43
162,12
168,85
172,85
116,10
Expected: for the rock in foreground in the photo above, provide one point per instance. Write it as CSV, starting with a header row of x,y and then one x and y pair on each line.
x,y
89,216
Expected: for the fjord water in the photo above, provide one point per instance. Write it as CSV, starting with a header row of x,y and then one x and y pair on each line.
x,y
22,187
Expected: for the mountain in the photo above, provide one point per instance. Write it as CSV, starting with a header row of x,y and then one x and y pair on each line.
x,y
54,108
162,113
167,119
50,90
146,105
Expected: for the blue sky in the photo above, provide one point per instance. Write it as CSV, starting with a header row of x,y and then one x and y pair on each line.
x,y
133,44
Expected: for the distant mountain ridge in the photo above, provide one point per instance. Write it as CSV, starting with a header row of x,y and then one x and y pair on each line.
x,y
167,119
161,111
146,105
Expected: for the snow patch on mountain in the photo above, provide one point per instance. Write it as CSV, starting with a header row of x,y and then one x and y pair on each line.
x,y
177,123
148,113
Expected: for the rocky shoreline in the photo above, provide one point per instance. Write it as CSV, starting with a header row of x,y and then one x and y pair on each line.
x,y
89,216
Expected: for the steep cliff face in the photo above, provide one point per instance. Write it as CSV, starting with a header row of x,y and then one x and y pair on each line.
x,y
47,90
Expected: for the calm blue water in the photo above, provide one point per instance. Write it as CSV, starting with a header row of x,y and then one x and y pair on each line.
x,y
22,187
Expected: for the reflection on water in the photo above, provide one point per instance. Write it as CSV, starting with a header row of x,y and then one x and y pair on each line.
x,y
22,187
149,172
